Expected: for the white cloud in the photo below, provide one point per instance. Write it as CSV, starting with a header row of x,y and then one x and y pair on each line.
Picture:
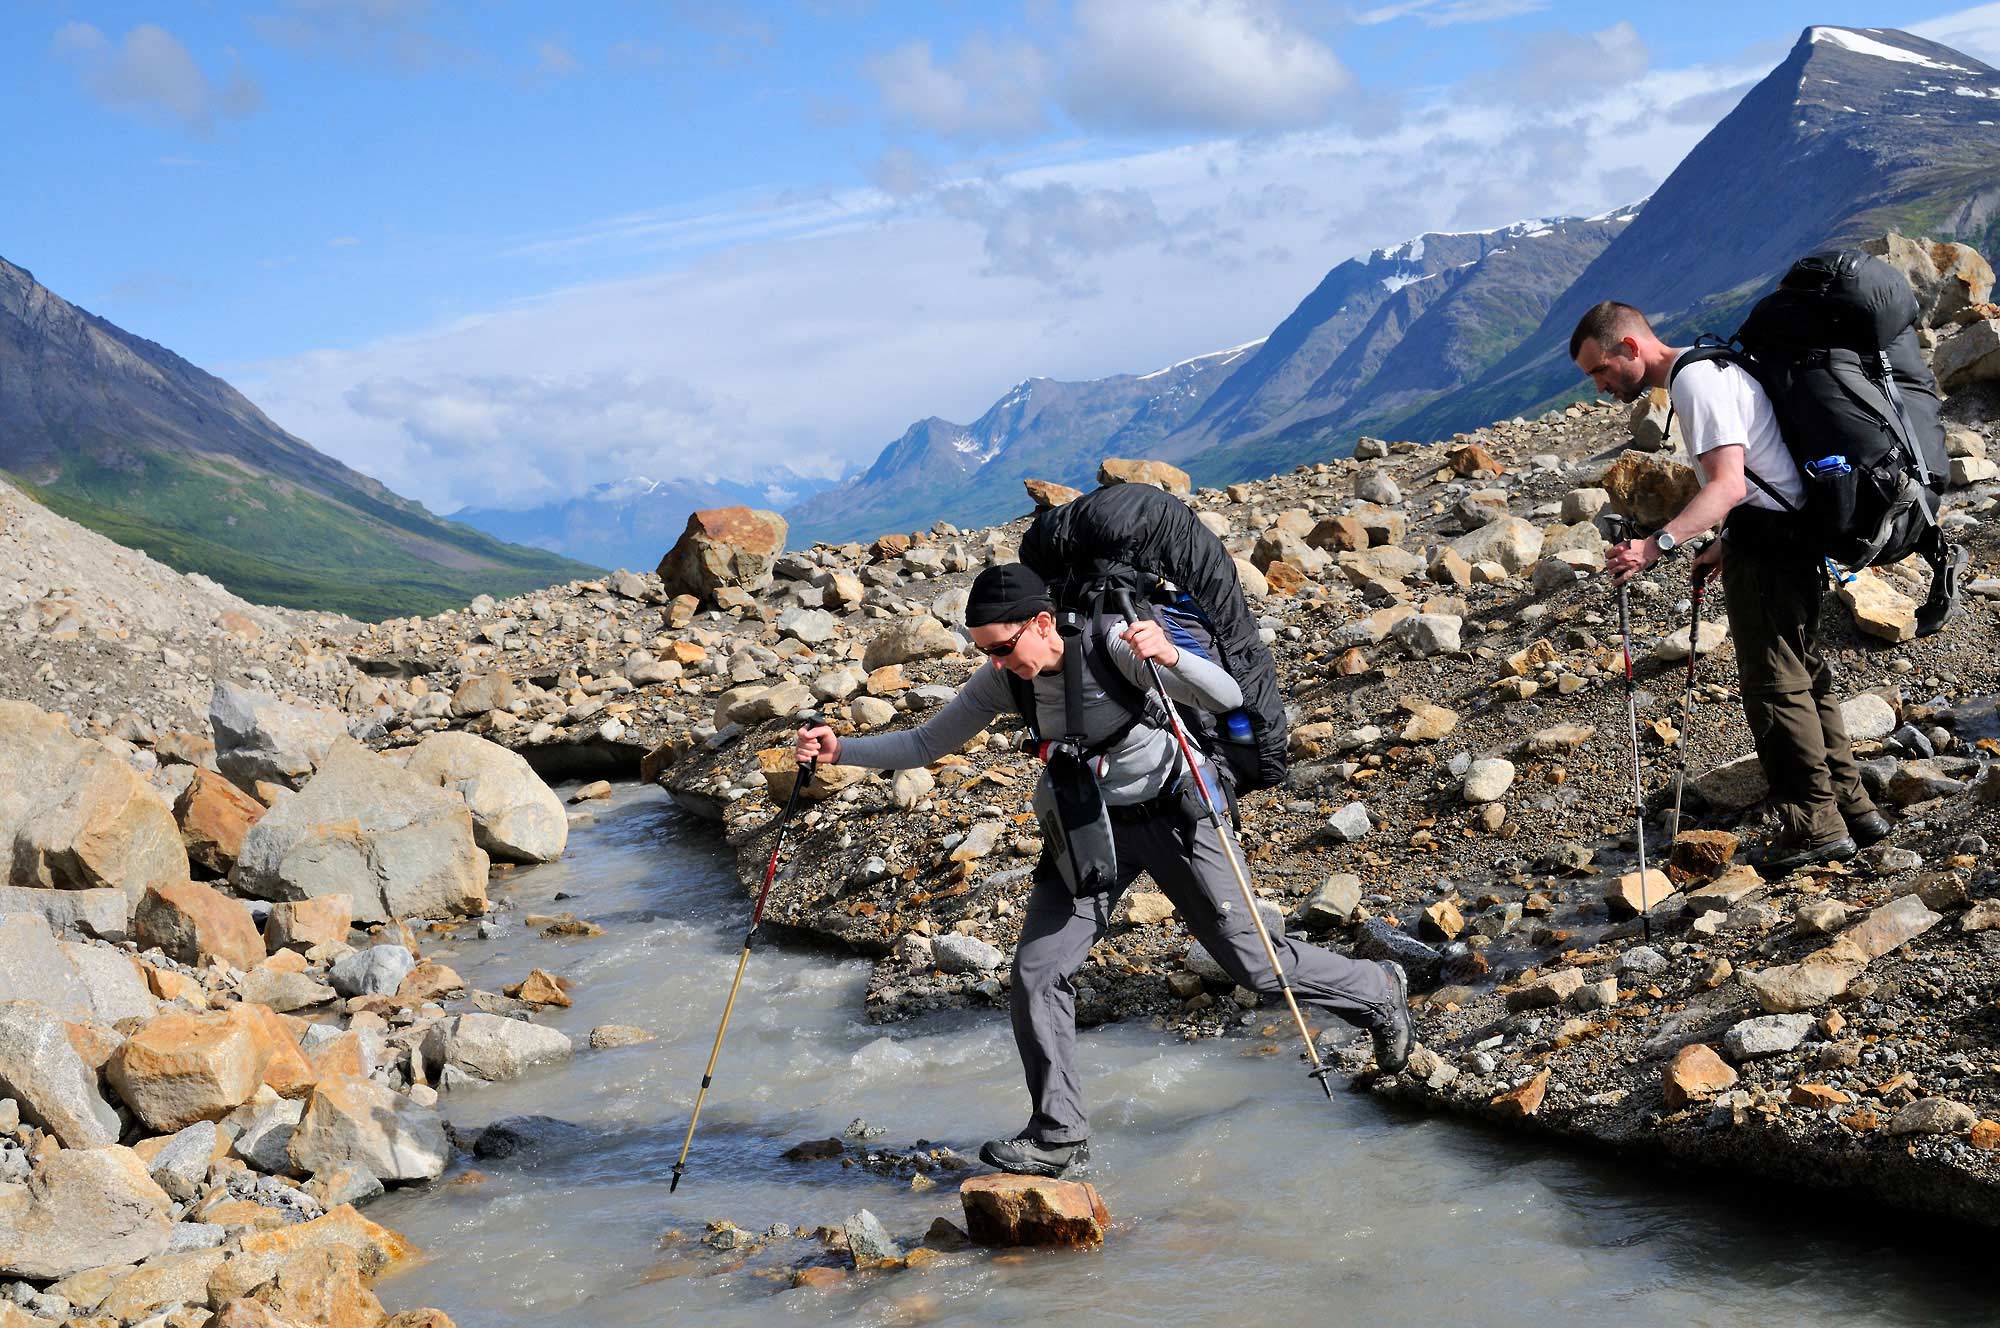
x,y
1041,232
151,73
1588,63
1229,65
1447,13
554,59
809,330
1975,31
992,90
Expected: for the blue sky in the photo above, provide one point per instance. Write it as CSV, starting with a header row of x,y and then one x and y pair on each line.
x,y
493,253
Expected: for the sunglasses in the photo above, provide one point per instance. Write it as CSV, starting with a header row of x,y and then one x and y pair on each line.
x,y
1002,649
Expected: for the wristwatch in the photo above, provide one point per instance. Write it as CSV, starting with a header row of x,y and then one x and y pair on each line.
x,y
1665,539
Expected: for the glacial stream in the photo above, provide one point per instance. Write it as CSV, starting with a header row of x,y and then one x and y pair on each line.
x,y
1239,1195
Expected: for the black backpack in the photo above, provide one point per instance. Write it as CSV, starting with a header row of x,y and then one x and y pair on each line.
x,y
1835,349
1136,540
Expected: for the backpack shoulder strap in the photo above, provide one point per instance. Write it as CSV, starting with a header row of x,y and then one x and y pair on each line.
x,y
1023,693
1708,347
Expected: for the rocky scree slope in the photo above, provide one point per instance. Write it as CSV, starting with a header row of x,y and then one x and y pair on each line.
x,y
1459,800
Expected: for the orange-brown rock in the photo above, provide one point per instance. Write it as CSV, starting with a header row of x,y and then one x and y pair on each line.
x,y
1986,1134
429,981
173,985
247,1314
1694,1073
1700,855
376,1250
821,1278
1818,1096
889,546
194,923
1001,1209
1649,489
214,815
1282,578
286,1069
94,1044
1471,459
1525,1100
723,546
323,1287
541,987
420,1319
1120,470
181,1068
1338,534
342,1055
1047,494
303,923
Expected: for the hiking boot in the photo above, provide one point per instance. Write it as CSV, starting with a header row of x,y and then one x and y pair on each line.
x,y
1783,858
1947,597
1392,1029
1025,1157
1868,828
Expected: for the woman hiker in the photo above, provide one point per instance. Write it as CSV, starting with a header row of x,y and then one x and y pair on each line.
x,y
1011,618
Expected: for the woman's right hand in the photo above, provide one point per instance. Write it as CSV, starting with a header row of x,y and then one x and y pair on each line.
x,y
818,743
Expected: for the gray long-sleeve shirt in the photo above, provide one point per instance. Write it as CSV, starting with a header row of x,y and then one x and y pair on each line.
x,y
1139,766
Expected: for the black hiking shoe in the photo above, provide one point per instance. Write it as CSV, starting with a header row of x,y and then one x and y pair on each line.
x,y
1393,1031
1947,597
1025,1157
1868,828
1782,858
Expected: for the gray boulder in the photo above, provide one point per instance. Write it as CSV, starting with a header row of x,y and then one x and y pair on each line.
x,y
82,1208
1510,541
965,954
257,736
377,971
1768,1035
267,1128
515,816
42,1072
115,989
364,827
181,1167
104,913
909,639
355,1122
75,817
33,967
492,1047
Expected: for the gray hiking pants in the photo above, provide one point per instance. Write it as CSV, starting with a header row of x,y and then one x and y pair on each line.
x,y
1179,850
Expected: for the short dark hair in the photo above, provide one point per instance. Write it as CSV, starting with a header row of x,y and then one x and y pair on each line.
x,y
1606,323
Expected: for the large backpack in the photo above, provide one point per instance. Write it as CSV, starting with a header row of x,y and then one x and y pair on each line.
x,y
1142,541
1835,349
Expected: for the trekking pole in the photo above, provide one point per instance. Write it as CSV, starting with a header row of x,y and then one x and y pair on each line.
x,y
1632,726
1319,1071
783,823
1698,581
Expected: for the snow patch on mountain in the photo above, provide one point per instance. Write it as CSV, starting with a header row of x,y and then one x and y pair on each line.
x,y
1848,39
1231,354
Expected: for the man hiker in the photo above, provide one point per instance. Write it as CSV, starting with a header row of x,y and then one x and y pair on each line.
x,y
1771,581
1011,617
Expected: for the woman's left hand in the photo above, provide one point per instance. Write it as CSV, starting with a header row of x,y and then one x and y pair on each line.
x,y
1149,641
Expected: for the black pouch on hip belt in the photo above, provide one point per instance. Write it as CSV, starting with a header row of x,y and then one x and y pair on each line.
x,y
1076,825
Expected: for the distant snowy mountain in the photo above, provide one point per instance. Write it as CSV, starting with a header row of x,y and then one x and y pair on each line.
x,y
632,522
1042,428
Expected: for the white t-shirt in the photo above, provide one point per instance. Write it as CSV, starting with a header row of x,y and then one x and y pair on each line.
x,y
1719,405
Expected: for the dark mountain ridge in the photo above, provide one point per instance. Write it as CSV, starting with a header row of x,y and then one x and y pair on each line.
x,y
128,438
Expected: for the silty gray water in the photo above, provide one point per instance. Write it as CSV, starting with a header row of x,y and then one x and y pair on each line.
x,y
1239,1194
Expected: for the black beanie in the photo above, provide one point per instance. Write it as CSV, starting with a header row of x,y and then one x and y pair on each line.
x,y
1007,593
